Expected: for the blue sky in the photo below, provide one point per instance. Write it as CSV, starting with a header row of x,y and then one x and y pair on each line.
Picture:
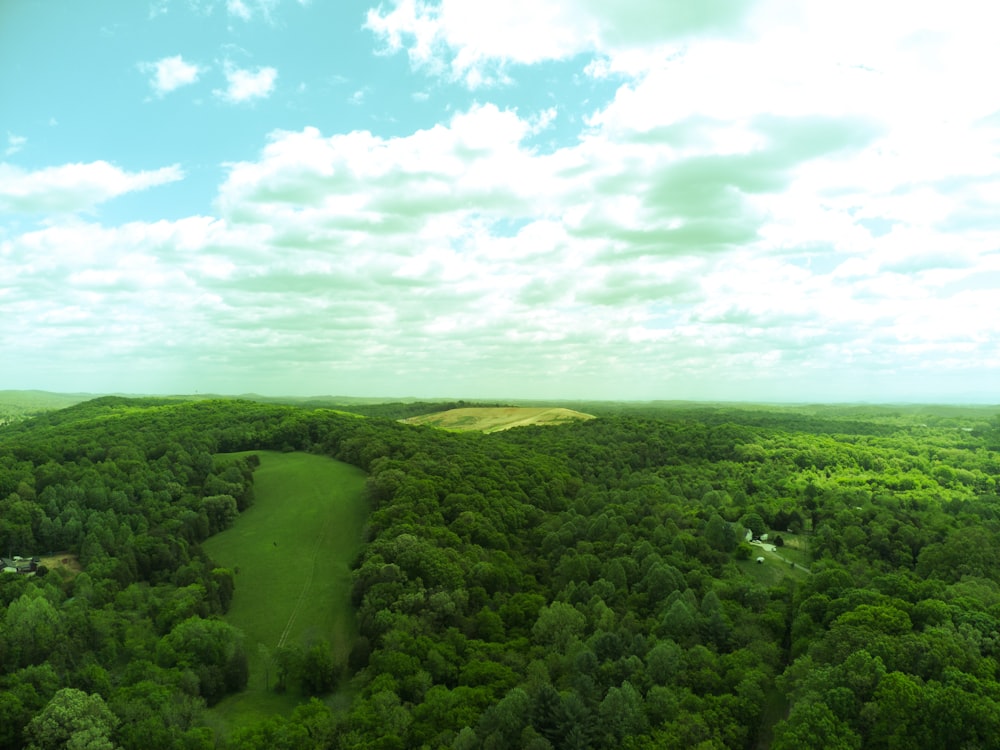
x,y
734,199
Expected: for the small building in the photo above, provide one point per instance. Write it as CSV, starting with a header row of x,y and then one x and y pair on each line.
x,y
760,560
18,564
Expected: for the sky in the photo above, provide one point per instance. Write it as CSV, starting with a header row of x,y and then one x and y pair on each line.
x,y
756,200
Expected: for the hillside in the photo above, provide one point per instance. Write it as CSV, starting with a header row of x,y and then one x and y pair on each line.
x,y
19,404
495,419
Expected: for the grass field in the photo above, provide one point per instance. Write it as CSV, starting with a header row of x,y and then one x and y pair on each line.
x,y
777,564
292,549
494,419
796,548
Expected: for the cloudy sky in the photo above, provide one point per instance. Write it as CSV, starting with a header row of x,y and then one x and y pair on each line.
x,y
768,200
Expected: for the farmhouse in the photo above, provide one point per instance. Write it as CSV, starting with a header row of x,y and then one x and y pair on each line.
x,y
18,564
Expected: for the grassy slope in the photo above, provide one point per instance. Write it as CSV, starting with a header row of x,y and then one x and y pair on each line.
x,y
292,548
494,419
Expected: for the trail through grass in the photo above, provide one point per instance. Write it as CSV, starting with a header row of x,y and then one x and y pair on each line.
x,y
292,549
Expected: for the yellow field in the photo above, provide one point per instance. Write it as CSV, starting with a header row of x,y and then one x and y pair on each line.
x,y
494,419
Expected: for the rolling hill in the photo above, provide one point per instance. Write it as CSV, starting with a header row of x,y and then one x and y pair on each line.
x,y
495,419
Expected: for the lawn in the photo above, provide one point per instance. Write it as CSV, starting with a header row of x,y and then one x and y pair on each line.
x,y
795,549
291,551
777,564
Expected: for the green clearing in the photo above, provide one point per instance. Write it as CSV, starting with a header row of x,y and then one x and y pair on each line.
x,y
795,549
292,550
496,418
772,572
777,564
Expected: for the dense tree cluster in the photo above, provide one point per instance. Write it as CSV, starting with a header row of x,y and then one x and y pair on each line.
x,y
130,488
581,586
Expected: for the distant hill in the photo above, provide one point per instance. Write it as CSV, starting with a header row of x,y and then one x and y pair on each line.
x,y
494,419
15,405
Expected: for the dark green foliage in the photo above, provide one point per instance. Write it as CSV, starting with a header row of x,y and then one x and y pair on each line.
x,y
290,661
212,650
319,672
755,523
575,586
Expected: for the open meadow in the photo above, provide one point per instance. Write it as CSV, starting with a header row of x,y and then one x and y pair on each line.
x,y
292,550
497,418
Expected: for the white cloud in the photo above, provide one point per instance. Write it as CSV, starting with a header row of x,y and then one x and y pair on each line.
x,y
777,201
249,10
14,143
73,187
707,246
245,84
158,8
474,40
170,73
475,161
239,9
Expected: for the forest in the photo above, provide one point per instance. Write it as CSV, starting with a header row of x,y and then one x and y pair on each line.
x,y
663,576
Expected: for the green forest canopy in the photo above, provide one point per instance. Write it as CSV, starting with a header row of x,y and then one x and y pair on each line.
x,y
585,585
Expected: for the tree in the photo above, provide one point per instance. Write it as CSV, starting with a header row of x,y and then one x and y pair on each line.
x,y
289,660
755,523
276,733
225,585
318,669
621,714
212,649
501,724
545,711
222,511
893,713
576,724
811,725
720,534
13,716
679,621
664,661
266,657
558,625
31,629
156,715
73,720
